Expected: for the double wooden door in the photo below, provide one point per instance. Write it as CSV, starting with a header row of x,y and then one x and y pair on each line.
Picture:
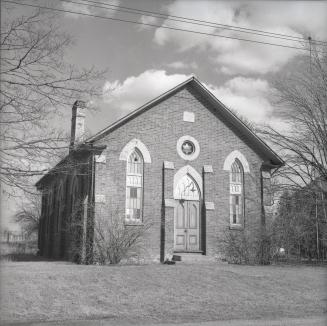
x,y
186,235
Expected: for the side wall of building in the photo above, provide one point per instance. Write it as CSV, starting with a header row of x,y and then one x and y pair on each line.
x,y
64,211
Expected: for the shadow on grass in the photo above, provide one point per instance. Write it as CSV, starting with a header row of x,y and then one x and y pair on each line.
x,y
24,257
21,251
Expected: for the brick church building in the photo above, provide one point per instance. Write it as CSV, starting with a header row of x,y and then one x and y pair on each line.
x,y
182,161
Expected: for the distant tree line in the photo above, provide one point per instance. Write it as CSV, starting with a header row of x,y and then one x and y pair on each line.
x,y
300,227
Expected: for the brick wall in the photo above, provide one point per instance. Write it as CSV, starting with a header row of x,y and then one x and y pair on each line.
x,y
159,128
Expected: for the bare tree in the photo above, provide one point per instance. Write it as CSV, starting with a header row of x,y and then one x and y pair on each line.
x,y
249,124
302,97
37,86
28,215
295,227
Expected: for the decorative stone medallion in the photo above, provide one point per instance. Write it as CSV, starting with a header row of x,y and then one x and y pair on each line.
x,y
188,148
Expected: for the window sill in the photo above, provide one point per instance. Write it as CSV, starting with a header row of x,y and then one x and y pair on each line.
x,y
236,227
133,223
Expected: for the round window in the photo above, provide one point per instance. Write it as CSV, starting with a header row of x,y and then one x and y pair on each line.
x,y
188,147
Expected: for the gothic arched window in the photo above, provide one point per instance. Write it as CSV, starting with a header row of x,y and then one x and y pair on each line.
x,y
236,193
134,186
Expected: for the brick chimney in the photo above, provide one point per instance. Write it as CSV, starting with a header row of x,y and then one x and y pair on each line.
x,y
78,121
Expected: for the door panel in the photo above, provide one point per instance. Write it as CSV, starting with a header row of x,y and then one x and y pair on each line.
x,y
193,226
180,234
180,219
180,240
187,226
192,215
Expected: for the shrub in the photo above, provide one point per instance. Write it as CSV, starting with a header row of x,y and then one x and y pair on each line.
x,y
245,247
114,240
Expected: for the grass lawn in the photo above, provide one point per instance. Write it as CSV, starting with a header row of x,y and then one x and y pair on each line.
x,y
160,293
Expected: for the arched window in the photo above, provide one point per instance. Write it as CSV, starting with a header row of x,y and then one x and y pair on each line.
x,y
134,186
236,193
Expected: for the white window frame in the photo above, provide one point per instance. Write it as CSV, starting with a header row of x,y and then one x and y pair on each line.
x,y
138,183
236,189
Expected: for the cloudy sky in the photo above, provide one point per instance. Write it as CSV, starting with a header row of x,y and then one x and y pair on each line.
x,y
144,61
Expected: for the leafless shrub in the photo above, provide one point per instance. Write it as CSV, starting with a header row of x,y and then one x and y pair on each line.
x,y
243,246
114,240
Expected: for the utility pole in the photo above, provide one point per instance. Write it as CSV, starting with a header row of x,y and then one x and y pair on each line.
x,y
314,174
317,227
309,39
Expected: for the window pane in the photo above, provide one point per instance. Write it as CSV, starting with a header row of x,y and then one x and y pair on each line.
x,y
236,173
236,192
134,164
133,192
134,184
234,209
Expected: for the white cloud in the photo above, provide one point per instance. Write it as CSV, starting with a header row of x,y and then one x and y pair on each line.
x,y
239,57
182,65
101,8
137,90
120,98
147,20
248,96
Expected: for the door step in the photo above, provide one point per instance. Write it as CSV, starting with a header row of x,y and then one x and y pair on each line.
x,y
192,258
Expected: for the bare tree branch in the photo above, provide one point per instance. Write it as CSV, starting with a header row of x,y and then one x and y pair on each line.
x,y
38,88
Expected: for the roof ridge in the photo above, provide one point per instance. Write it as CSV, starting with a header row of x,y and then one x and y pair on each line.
x,y
263,148
138,109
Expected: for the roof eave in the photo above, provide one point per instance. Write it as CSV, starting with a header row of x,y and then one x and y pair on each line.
x,y
272,155
79,149
137,111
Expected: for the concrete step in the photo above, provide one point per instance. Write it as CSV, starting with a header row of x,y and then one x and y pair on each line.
x,y
192,258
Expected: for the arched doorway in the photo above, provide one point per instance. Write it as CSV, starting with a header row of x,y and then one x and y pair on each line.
x,y
187,215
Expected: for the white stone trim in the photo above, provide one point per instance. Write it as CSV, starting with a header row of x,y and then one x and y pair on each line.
x,y
130,146
100,158
192,156
169,202
188,116
207,169
187,169
210,206
100,198
231,158
266,174
169,165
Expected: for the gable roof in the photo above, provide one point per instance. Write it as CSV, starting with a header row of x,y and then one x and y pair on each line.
x,y
259,145
273,160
